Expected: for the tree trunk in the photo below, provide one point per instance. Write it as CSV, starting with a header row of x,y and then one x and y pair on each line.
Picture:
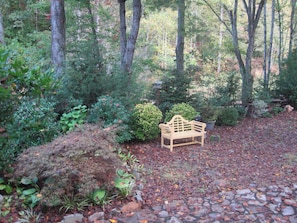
x,y
58,21
1,29
128,45
123,28
292,28
220,39
280,30
269,56
181,37
265,81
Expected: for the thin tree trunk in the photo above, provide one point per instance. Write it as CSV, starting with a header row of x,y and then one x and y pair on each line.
x,y
181,37
265,48
133,35
1,29
270,41
280,36
220,39
123,28
292,30
58,21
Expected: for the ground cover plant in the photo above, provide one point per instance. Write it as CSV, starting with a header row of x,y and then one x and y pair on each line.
x,y
255,153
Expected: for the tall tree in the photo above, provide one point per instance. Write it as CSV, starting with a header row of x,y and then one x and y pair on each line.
x,y
253,12
58,21
128,45
292,28
1,29
180,37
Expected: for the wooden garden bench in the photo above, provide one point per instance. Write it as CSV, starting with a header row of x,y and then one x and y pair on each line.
x,y
187,132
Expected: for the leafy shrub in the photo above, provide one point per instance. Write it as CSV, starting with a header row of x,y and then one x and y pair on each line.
x,y
111,112
145,120
75,117
228,116
34,123
183,109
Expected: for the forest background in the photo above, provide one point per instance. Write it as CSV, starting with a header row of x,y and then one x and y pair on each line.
x,y
64,61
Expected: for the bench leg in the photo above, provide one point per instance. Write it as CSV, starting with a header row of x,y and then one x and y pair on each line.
x,y
171,145
162,141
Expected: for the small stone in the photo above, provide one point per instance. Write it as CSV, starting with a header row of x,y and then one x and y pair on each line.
x,y
287,211
272,207
173,220
73,218
1,199
96,216
163,214
262,197
244,191
290,202
130,207
217,208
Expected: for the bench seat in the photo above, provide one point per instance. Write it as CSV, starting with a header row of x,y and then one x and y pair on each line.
x,y
179,132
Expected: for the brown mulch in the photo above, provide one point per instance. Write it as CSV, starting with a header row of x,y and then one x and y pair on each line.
x,y
255,153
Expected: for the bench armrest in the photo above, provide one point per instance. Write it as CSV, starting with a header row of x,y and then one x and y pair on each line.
x,y
199,126
165,128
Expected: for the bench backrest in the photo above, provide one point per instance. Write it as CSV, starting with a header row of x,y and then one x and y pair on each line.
x,y
179,124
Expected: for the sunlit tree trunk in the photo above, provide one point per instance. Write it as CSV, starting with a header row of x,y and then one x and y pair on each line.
x,y
265,79
1,29
280,30
58,21
220,40
181,37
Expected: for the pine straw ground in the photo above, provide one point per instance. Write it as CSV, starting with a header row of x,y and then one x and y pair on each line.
x,y
255,153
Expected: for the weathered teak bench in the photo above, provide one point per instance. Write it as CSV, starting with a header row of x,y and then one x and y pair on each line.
x,y
179,128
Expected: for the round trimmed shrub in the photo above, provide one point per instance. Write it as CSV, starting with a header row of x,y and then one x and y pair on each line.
x,y
183,109
228,116
145,121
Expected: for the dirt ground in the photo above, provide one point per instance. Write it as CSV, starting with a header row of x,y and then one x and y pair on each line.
x,y
255,153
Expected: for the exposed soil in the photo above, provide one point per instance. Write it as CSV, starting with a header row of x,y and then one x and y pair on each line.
x,y
255,153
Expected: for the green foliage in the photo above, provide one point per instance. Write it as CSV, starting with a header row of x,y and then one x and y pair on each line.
x,y
18,80
276,109
34,123
183,109
260,108
29,192
287,79
175,89
73,203
5,186
145,120
209,113
29,215
228,116
124,182
100,197
74,118
227,89
111,112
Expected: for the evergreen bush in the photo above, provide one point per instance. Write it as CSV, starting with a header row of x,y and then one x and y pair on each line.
x,y
34,123
183,109
287,79
145,121
111,112
228,116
